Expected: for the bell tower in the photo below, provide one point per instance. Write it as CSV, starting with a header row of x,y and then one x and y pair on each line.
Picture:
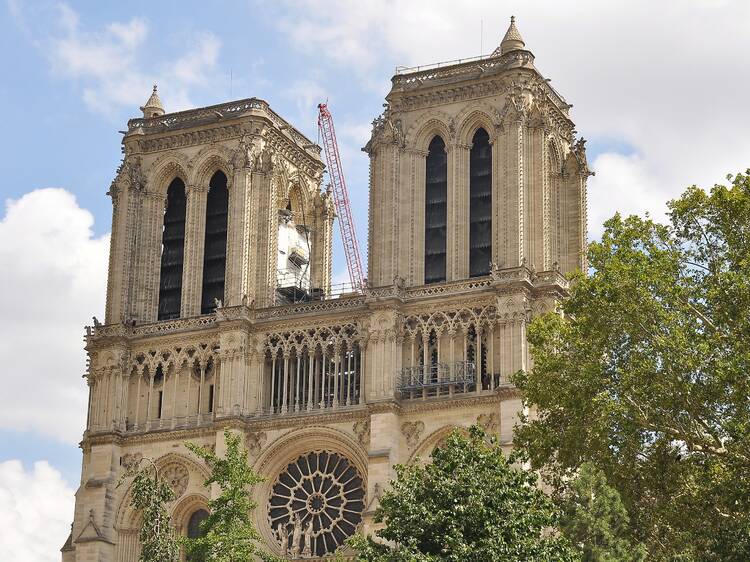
x,y
205,203
474,165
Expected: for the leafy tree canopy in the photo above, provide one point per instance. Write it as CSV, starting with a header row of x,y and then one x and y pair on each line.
x,y
469,505
228,532
646,375
595,519
149,496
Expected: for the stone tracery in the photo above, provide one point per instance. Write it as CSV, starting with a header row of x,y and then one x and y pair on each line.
x,y
316,504
314,368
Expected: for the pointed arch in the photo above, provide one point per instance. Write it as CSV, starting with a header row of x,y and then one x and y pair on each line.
x,y
207,162
480,204
474,117
424,450
421,133
436,211
165,169
215,242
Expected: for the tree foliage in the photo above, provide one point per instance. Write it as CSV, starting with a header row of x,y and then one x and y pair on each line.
x,y
149,496
229,534
595,519
469,505
646,375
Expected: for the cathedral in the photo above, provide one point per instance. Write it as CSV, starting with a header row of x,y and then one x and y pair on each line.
x,y
221,314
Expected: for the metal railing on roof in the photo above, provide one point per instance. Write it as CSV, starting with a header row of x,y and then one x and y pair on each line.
x,y
409,69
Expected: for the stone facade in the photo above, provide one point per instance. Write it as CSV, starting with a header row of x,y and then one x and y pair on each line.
x,y
329,393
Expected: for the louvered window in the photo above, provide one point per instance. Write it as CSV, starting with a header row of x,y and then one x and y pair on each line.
x,y
480,204
215,248
172,252
436,212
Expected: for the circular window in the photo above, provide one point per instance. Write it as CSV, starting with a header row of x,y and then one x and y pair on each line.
x,y
316,504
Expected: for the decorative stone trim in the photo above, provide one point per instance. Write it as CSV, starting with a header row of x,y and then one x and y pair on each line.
x,y
412,432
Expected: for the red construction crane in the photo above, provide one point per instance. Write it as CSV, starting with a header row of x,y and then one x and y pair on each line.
x,y
341,197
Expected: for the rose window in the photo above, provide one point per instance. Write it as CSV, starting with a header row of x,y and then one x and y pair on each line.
x,y
177,477
316,504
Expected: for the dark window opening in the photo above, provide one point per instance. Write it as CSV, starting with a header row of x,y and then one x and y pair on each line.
x,y
436,212
160,404
158,375
195,530
172,252
480,204
210,398
215,248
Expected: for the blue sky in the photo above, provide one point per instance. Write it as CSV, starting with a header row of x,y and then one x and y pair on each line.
x,y
659,89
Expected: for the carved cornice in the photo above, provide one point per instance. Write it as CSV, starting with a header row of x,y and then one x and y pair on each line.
x,y
500,394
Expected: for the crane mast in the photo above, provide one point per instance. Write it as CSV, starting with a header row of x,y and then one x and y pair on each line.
x,y
341,197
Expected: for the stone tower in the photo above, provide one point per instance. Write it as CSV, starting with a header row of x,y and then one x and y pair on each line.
x,y
221,314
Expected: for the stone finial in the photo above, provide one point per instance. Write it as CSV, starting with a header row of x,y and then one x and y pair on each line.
x,y
512,40
153,107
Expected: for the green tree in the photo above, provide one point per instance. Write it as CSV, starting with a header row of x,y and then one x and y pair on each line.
x,y
645,374
228,532
595,519
469,505
149,496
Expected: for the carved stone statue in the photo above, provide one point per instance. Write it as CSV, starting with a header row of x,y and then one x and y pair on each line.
x,y
307,539
296,536
282,533
265,161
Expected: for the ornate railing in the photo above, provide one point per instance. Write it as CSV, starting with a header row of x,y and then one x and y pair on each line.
x,y
191,117
337,304
152,328
413,381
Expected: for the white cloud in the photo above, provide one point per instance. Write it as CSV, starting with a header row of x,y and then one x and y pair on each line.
x,y
664,78
306,95
53,280
109,64
35,512
627,186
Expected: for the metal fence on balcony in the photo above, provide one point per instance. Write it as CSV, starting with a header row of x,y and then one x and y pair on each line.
x,y
436,379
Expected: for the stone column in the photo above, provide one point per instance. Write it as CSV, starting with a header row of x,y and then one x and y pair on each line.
x,y
148,259
192,267
515,194
322,231
382,358
537,226
237,248
259,391
118,257
458,212
231,399
416,245
264,235
384,451
393,224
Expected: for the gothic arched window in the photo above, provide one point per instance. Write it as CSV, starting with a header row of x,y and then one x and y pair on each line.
x,y
194,523
194,530
172,252
215,247
480,204
436,212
